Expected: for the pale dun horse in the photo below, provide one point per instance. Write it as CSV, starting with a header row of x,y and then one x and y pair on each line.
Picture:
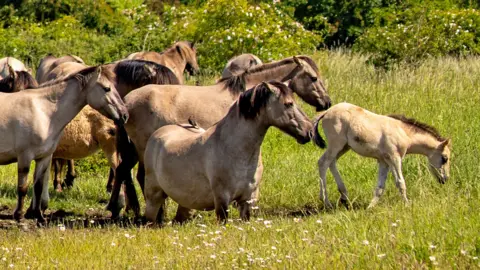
x,y
32,123
208,169
386,138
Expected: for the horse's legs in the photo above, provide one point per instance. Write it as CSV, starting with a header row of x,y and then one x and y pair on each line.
x,y
141,176
244,207
183,214
382,177
334,150
155,205
23,165
396,168
57,174
70,177
111,178
258,179
123,173
40,188
221,201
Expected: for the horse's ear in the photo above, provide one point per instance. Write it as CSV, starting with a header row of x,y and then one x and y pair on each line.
x,y
446,143
94,78
179,50
297,61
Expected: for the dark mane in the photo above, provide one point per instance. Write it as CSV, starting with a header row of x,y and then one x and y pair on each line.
x,y
22,81
419,126
236,84
82,76
138,73
254,99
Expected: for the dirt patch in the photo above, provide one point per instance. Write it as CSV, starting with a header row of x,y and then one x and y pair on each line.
x,y
66,220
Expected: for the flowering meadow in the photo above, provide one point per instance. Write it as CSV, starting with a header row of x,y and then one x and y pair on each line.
x,y
289,228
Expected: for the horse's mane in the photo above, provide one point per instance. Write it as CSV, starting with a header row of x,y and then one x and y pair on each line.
x,y
254,99
140,72
419,126
82,76
23,80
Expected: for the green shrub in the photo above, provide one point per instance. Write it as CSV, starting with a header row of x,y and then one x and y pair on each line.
x,y
414,34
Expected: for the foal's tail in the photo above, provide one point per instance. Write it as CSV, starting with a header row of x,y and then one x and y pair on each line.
x,y
319,141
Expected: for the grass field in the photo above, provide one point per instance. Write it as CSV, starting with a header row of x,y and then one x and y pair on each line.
x,y
440,229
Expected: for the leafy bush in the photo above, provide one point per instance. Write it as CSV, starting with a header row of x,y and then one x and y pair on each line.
x,y
414,34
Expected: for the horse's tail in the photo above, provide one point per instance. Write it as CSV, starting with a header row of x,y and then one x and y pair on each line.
x,y
319,141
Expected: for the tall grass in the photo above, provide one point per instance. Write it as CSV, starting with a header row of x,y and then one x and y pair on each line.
x,y
290,229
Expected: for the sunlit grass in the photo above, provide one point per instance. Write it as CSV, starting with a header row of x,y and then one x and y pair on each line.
x,y
440,228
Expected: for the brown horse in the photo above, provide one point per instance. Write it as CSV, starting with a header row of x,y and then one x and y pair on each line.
x,y
90,131
180,57
17,81
154,106
222,160
32,123
49,62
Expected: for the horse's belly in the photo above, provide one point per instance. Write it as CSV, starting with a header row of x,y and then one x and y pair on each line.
x,y
189,192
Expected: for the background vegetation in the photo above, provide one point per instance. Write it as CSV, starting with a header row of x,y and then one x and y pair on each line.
x,y
390,31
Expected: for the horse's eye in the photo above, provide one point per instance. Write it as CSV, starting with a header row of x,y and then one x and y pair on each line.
x,y
107,89
289,104
444,159
314,79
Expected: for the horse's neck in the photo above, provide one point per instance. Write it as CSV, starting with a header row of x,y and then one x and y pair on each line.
x,y
239,136
64,102
421,143
279,73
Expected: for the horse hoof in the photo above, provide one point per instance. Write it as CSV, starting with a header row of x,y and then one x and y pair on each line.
x,y
18,215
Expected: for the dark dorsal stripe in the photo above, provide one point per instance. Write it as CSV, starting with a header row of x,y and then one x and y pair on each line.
x,y
419,126
139,73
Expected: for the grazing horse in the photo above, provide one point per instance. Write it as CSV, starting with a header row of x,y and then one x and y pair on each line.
x,y
14,63
386,138
239,64
32,122
180,57
90,131
17,81
50,62
154,106
222,160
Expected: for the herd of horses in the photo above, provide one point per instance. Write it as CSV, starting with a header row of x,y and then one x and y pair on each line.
x,y
198,145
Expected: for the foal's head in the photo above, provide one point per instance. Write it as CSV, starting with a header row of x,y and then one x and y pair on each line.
x,y
273,103
439,161
308,84
102,94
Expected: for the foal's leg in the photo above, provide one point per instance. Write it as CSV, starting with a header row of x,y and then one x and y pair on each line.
x,y
382,177
338,178
23,165
333,150
221,200
396,168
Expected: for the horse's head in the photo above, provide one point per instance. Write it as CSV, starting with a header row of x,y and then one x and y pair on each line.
x,y
102,94
439,161
308,84
188,52
273,103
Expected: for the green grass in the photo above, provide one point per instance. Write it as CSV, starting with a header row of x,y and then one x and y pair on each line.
x,y
289,230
